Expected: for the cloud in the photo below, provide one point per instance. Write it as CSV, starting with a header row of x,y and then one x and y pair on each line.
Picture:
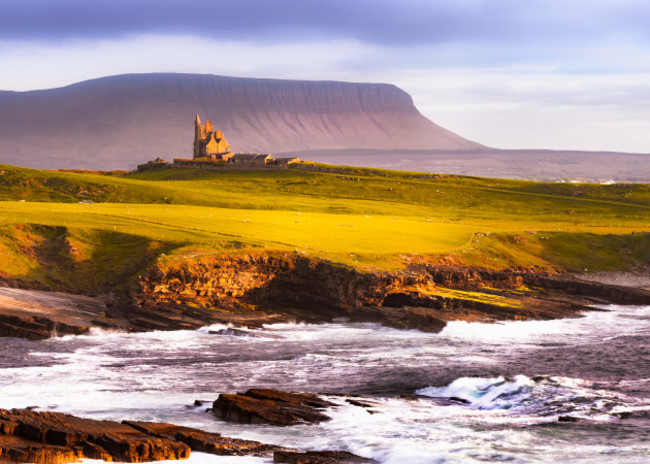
x,y
38,65
536,107
507,73
379,22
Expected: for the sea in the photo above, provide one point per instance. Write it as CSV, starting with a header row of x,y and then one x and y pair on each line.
x,y
562,391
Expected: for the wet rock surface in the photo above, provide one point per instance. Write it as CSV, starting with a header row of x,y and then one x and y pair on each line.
x,y
275,407
52,438
319,457
47,437
37,315
28,436
206,442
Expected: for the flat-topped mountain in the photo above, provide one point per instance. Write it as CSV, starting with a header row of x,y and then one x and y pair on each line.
x,y
120,121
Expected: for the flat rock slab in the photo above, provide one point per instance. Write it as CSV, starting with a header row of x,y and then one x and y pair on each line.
x,y
319,457
38,315
47,437
28,436
206,442
262,406
15,449
55,438
42,302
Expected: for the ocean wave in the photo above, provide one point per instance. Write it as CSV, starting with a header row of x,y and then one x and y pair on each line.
x,y
541,396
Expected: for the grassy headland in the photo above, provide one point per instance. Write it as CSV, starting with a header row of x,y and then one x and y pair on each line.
x,y
366,218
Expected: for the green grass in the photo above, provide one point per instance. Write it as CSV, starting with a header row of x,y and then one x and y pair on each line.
x,y
75,259
478,297
365,218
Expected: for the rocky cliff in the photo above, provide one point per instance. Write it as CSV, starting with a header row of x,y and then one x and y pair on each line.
x,y
121,121
253,289
260,288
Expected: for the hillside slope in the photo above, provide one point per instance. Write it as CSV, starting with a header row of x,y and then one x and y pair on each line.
x,y
120,121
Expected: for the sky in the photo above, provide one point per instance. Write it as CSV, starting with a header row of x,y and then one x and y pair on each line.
x,y
555,74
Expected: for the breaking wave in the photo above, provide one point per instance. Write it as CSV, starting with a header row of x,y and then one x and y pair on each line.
x,y
541,396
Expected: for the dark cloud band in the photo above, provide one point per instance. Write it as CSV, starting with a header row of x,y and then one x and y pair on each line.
x,y
383,22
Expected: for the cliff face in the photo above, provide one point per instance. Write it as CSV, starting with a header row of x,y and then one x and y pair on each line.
x,y
275,280
255,289
121,121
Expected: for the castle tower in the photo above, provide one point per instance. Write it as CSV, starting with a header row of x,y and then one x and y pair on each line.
x,y
197,137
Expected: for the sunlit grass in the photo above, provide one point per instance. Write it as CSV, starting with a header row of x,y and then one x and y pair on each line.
x,y
321,233
354,216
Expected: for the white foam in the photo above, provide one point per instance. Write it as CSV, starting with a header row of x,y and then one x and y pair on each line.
x,y
536,399
490,393
594,325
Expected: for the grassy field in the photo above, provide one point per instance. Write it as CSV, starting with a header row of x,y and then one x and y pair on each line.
x,y
366,218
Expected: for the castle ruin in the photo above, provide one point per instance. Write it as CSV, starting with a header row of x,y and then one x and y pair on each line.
x,y
211,151
209,143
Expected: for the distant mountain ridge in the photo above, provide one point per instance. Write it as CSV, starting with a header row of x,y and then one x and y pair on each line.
x,y
120,121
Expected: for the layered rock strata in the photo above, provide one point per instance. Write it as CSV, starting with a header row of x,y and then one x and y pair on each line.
x,y
37,315
319,457
275,407
46,437
28,436
255,289
53,438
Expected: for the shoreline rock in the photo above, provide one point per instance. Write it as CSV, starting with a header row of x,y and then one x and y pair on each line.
x,y
205,442
250,290
55,438
275,407
255,289
48,437
319,457
619,278
38,315
28,436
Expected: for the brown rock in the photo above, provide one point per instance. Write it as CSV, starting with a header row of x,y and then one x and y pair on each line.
x,y
319,457
206,442
257,288
47,437
275,407
28,436
361,404
260,288
405,318
37,315
569,419
15,449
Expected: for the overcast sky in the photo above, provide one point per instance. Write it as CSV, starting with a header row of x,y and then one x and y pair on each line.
x,y
564,74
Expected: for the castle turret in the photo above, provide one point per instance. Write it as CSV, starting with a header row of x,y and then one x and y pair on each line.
x,y
197,137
